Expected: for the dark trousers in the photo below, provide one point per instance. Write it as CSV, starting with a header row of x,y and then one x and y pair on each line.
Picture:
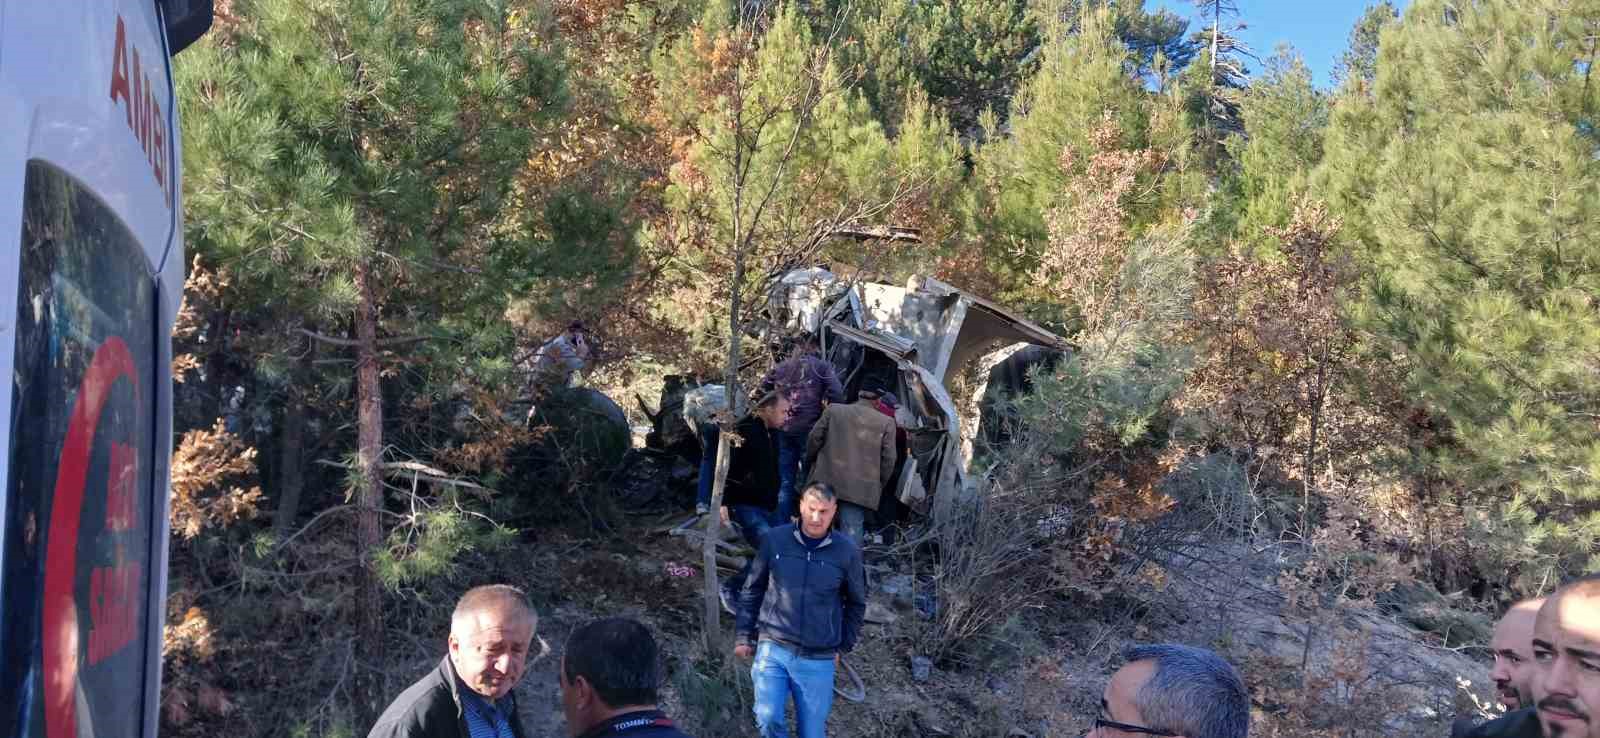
x,y
752,523
791,472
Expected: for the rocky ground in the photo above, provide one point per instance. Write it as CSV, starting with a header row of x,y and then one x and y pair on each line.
x,y
1048,669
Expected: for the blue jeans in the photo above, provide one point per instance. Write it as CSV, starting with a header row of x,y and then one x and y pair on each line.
x,y
852,520
791,462
708,462
752,523
777,672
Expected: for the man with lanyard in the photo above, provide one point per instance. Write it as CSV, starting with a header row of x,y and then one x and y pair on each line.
x,y
469,694
609,676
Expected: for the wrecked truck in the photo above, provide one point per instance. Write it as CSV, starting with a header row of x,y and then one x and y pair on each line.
x,y
910,338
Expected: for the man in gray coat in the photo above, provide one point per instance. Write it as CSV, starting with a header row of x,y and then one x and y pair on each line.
x,y
852,449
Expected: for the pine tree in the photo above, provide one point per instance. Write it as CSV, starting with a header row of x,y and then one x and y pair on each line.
x,y
975,55
1082,78
1466,183
1213,84
1359,63
359,161
776,151
1285,117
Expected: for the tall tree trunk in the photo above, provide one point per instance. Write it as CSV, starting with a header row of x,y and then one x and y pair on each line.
x,y
730,382
1216,29
291,476
708,553
369,501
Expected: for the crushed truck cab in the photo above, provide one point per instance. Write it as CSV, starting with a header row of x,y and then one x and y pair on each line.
x,y
909,338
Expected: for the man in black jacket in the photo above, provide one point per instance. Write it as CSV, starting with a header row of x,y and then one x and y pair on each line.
x,y
610,671
801,607
751,492
1512,646
469,694
1566,657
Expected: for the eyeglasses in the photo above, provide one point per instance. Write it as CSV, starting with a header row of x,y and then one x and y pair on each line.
x,y
1101,722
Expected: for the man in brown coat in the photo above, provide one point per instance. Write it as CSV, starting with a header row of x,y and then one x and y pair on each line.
x,y
852,448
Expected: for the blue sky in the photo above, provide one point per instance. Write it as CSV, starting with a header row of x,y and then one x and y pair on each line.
x,y
1318,29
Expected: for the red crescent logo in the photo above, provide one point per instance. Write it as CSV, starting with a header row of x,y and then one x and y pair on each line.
x,y
112,361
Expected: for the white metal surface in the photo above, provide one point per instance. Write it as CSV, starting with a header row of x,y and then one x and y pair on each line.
x,y
85,86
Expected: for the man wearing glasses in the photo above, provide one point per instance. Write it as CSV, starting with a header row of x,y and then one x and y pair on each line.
x,y
1171,690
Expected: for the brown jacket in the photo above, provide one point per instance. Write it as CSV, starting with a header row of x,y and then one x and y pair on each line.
x,y
852,448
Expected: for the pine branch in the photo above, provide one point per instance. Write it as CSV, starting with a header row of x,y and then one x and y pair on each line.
x,y
349,343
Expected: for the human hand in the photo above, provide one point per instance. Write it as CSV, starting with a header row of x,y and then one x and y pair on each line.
x,y
744,651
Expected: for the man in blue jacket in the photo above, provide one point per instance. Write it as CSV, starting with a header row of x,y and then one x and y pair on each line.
x,y
801,607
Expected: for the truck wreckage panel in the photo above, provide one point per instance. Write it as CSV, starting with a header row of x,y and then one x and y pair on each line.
x,y
920,332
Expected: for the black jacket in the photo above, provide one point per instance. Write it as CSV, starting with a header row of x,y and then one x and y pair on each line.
x,y
642,724
431,708
753,470
811,600
1518,724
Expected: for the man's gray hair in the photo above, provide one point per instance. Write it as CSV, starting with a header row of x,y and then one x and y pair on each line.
x,y
502,597
1193,692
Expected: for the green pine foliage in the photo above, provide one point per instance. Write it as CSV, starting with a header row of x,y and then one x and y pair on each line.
x,y
1286,117
324,134
1082,77
1358,65
1087,72
779,148
1467,186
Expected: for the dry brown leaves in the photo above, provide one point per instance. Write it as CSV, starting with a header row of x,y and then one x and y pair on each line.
x,y
203,465
1089,234
1274,343
202,289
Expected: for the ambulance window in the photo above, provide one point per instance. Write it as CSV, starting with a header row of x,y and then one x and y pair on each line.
x,y
74,617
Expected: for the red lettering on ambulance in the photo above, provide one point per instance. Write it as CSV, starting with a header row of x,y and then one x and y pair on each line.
x,y
119,70
143,109
113,603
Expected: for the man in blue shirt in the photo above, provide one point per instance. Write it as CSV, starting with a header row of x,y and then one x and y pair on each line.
x,y
469,694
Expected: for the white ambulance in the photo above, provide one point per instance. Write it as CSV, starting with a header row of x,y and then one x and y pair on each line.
x,y
89,168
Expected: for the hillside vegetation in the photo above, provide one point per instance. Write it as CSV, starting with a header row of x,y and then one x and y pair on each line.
x,y
1332,403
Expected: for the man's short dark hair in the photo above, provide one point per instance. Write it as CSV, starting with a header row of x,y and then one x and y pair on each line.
x,y
820,489
576,326
767,400
619,659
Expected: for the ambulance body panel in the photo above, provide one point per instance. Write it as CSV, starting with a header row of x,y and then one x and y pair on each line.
x,y
89,291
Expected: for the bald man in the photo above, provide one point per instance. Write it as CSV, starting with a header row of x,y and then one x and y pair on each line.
x,y
469,694
1566,661
1512,645
1513,654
